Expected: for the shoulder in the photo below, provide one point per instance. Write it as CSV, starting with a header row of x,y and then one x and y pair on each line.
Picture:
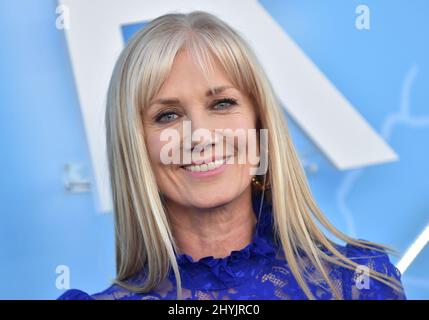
x,y
359,285
75,294
114,292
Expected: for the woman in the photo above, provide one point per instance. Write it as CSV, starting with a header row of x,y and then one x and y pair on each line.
x,y
206,228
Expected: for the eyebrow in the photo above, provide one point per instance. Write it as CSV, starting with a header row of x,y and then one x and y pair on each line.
x,y
210,92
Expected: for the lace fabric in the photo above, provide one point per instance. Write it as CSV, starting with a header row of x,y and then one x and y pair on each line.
x,y
258,271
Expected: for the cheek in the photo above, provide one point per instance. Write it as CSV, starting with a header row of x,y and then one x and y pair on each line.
x,y
154,146
241,125
236,121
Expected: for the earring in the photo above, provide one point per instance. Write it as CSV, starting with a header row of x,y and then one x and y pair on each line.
x,y
259,185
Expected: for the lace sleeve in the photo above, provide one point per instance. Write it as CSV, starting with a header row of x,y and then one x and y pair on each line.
x,y
357,285
74,294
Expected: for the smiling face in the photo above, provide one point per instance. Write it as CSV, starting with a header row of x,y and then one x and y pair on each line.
x,y
210,184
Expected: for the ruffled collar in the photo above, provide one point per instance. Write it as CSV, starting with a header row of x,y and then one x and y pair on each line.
x,y
211,273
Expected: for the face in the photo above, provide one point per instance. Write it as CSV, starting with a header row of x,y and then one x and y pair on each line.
x,y
210,184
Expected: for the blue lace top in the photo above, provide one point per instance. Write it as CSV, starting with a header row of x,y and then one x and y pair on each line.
x,y
258,271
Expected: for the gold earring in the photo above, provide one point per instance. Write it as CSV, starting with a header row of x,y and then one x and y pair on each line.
x,y
259,185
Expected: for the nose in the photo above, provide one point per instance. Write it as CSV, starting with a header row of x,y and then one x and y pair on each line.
x,y
201,132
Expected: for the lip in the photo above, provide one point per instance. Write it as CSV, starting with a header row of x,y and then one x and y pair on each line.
x,y
209,173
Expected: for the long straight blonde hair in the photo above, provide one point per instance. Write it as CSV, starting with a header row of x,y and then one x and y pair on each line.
x,y
143,237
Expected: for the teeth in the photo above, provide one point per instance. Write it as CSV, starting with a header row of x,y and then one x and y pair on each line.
x,y
206,167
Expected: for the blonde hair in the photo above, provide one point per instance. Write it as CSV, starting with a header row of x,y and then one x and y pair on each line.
x,y
143,236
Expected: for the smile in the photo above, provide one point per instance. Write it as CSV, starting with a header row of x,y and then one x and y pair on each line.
x,y
206,166
210,167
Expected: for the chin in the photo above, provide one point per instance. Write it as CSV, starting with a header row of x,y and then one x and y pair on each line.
x,y
210,201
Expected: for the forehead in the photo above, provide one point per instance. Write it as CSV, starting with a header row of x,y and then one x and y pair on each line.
x,y
186,75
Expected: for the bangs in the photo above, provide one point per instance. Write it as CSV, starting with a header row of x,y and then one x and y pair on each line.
x,y
207,48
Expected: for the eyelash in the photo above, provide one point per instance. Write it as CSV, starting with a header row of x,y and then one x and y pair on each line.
x,y
231,101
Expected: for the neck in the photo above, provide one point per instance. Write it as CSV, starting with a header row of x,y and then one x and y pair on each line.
x,y
213,231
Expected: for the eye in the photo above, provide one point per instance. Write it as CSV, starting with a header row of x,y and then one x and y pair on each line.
x,y
165,117
225,103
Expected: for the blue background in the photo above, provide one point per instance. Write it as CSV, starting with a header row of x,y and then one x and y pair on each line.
x,y
383,72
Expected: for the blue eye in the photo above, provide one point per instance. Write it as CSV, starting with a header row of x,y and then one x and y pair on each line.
x,y
166,117
228,101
